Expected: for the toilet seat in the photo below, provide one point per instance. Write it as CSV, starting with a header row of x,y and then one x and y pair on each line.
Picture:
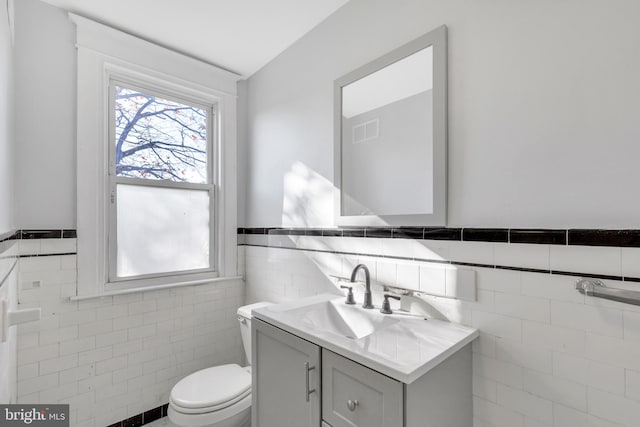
x,y
207,409
211,389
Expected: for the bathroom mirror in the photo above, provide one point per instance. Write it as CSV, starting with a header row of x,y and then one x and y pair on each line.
x,y
390,132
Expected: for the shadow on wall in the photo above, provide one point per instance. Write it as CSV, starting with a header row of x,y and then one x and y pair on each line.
x,y
308,197
319,260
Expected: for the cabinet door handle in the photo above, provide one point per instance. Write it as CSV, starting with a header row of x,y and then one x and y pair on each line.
x,y
352,404
308,369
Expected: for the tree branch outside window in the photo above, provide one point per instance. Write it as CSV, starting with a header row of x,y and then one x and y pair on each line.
x,y
159,139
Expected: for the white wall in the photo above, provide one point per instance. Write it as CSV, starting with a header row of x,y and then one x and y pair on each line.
x,y
542,103
243,155
45,149
7,277
6,122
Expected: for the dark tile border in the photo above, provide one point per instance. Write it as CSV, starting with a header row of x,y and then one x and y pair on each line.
x,y
135,421
579,237
144,418
485,235
379,232
40,234
621,238
314,232
353,232
47,254
523,269
45,234
69,234
287,231
593,275
538,236
407,233
10,235
255,230
431,233
152,415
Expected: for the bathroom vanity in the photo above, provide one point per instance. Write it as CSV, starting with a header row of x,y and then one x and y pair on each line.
x,y
319,362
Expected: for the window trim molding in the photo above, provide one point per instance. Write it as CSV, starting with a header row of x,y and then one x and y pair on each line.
x,y
103,52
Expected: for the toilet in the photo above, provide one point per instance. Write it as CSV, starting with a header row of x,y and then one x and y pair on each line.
x,y
219,396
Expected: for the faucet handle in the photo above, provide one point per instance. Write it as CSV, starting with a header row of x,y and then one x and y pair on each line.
x,y
386,307
350,299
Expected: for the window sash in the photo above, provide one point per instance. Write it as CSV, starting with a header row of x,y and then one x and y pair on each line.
x,y
171,96
112,280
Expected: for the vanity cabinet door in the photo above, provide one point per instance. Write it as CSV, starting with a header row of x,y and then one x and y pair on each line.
x,y
355,396
286,378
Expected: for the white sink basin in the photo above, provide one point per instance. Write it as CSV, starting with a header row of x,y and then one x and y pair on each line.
x,y
399,345
350,321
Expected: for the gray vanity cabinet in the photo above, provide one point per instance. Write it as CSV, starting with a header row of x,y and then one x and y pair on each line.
x,y
286,376
439,398
355,396
293,378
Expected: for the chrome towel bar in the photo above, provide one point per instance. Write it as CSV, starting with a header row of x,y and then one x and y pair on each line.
x,y
595,288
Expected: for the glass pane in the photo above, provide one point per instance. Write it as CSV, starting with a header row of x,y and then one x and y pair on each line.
x,y
387,139
161,230
159,139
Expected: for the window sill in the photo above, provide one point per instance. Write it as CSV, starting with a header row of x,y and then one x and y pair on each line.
x,y
154,288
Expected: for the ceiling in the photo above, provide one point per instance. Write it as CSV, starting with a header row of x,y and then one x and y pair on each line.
x,y
239,35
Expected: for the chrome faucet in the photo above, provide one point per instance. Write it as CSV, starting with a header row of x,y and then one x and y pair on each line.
x,y
367,282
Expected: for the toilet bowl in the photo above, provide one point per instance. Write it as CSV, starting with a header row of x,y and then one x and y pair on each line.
x,y
219,396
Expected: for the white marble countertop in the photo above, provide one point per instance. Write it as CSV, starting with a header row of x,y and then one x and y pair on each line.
x,y
404,348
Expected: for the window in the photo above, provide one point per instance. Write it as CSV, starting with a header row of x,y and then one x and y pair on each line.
x,y
161,183
156,156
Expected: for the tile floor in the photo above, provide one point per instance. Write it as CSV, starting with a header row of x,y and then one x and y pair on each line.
x,y
162,422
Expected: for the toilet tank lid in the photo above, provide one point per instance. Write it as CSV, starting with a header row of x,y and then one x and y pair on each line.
x,y
245,311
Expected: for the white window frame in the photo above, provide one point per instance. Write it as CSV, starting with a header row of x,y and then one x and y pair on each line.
x,y
105,54
210,106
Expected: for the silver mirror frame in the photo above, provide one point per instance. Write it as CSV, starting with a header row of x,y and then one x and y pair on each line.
x,y
438,40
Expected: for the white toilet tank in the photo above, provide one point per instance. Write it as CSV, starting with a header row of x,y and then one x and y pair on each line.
x,y
244,317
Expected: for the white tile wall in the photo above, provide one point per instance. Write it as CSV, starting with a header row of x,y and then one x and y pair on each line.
x,y
115,357
630,262
522,255
586,259
547,355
